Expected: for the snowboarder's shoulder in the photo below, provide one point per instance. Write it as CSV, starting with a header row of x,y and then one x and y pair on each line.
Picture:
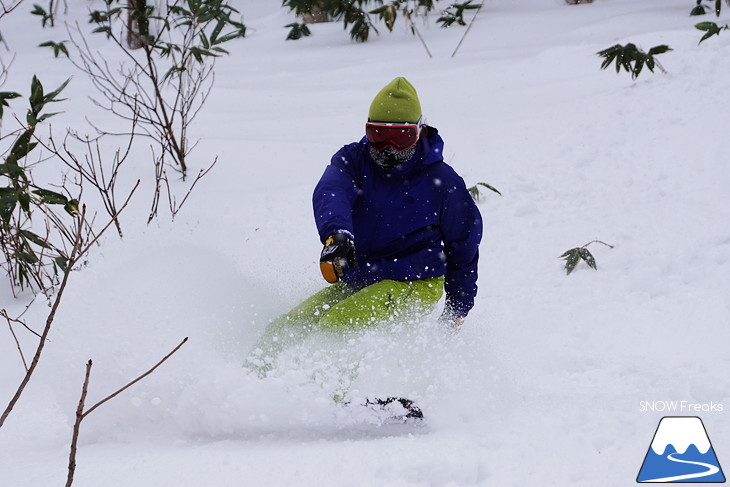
x,y
352,154
445,173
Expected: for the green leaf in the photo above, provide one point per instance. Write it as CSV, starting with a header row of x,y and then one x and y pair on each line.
x,y
650,64
40,11
21,148
24,202
13,171
47,115
637,68
4,96
585,254
572,257
50,197
217,30
61,262
659,50
36,239
297,31
36,92
708,26
29,257
103,29
234,35
72,208
51,97
7,205
607,62
58,47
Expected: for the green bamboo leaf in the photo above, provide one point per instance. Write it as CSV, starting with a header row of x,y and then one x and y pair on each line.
x,y
637,68
24,202
61,262
103,29
489,186
569,252
218,29
47,115
4,97
705,26
51,97
13,171
50,197
650,64
36,239
659,50
234,35
705,37
572,259
72,208
7,205
36,92
21,148
585,254
28,256
607,62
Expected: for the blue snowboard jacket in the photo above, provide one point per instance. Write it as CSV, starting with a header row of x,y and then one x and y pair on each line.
x,y
417,221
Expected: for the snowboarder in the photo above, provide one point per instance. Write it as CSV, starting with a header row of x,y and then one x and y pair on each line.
x,y
398,225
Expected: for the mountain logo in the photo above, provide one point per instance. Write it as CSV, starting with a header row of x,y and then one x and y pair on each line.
x,y
681,452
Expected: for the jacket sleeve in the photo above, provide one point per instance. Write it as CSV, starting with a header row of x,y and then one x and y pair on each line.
x,y
461,231
335,194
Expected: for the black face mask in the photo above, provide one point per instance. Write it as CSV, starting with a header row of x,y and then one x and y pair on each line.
x,y
390,159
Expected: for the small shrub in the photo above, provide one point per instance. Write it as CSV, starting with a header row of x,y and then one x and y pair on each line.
x,y
574,256
632,58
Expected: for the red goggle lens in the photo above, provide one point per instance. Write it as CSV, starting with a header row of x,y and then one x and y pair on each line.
x,y
399,136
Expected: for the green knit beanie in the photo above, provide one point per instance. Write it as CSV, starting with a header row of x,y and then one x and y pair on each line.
x,y
397,102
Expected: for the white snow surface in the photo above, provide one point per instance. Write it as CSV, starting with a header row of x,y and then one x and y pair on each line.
x,y
542,386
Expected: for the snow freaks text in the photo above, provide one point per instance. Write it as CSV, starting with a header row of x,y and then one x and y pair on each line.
x,y
680,407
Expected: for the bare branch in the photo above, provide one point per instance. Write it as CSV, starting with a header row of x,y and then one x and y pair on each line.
x,y
10,321
81,414
77,426
174,209
49,320
130,384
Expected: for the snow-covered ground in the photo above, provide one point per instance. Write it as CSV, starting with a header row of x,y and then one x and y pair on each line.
x,y
544,384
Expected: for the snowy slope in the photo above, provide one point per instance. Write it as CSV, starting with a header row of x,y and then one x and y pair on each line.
x,y
543,385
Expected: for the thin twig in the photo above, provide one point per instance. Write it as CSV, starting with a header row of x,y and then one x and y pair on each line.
x,y
468,28
415,30
174,207
598,241
10,321
111,221
130,384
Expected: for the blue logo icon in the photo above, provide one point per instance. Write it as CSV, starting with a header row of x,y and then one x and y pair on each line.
x,y
681,452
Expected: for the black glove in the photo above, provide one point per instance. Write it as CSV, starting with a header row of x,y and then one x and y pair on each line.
x,y
338,255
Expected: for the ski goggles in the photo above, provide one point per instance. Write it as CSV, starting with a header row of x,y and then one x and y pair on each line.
x,y
399,136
